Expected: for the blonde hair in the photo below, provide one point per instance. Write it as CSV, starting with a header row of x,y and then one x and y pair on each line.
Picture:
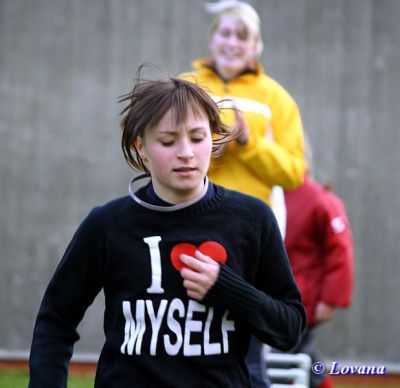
x,y
244,12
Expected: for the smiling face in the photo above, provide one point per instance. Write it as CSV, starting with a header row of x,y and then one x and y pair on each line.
x,y
178,155
232,46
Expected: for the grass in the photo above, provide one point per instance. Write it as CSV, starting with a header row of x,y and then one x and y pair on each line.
x,y
19,379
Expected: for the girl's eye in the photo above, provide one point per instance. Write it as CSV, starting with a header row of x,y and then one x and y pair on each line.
x,y
167,143
225,33
242,35
197,139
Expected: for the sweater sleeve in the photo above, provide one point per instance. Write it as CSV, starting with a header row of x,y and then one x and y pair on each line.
x,y
337,252
280,160
272,308
73,287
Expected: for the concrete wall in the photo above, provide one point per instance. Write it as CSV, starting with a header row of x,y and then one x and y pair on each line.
x,y
64,63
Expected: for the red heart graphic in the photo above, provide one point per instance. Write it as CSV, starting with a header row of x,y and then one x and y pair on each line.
x,y
209,248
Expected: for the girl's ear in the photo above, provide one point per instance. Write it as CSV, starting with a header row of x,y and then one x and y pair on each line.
x,y
139,146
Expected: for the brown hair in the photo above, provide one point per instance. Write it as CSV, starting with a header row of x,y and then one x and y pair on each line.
x,y
150,100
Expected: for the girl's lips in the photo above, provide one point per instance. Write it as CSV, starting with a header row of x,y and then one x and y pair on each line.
x,y
185,170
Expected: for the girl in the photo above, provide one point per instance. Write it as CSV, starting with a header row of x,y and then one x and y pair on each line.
x,y
189,269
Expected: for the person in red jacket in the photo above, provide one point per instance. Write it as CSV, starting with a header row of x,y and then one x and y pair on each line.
x,y
320,248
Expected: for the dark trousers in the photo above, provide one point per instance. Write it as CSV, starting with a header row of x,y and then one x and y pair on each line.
x,y
256,364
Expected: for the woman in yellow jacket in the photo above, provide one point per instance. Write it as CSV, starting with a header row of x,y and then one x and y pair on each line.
x,y
269,150
268,153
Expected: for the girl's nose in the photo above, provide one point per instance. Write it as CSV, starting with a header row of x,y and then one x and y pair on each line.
x,y
232,39
185,150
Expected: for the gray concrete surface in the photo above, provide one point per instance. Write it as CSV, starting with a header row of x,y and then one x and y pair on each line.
x,y
64,63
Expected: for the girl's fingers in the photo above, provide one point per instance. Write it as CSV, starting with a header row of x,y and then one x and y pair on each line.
x,y
191,275
206,259
191,262
197,262
199,274
195,290
190,285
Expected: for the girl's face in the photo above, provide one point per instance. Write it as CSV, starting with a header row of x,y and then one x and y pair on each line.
x,y
178,156
231,46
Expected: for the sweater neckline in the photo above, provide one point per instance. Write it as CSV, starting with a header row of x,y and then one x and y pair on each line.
x,y
167,208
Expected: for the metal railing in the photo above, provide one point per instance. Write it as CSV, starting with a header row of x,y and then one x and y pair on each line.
x,y
288,370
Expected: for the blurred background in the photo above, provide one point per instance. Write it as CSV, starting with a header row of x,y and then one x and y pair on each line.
x,y
63,65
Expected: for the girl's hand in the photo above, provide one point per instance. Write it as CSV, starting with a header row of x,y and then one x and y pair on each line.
x,y
239,131
199,275
241,128
324,312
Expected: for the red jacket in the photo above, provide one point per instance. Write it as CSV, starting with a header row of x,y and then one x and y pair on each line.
x,y
319,245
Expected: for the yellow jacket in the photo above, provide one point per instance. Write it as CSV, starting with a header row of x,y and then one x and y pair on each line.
x,y
274,154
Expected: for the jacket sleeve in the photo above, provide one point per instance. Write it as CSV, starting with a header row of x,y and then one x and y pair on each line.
x,y
337,252
278,160
272,307
73,287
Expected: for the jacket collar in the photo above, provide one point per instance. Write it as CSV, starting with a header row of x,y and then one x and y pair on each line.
x,y
208,63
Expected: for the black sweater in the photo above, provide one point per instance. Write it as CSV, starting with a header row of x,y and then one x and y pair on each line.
x,y
155,335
